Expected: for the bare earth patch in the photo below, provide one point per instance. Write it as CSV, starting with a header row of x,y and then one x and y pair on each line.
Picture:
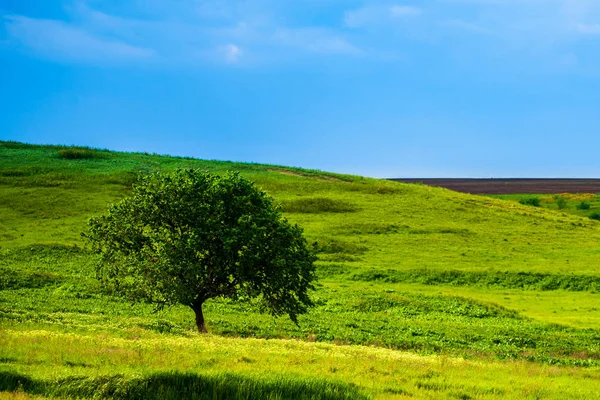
x,y
321,178
512,185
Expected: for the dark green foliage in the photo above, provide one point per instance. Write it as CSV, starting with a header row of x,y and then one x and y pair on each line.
x,y
78,153
316,205
336,246
372,229
335,250
177,385
388,189
19,145
561,202
507,280
12,381
413,305
531,201
583,205
22,171
446,231
38,266
125,178
595,216
32,280
189,236
331,270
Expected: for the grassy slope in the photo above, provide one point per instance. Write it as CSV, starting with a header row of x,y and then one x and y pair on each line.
x,y
404,266
393,225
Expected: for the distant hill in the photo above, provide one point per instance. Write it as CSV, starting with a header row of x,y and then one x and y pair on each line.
x,y
48,193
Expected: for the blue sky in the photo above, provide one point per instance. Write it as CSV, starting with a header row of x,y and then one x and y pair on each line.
x,y
438,88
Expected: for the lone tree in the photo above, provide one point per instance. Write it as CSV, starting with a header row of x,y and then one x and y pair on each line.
x,y
189,236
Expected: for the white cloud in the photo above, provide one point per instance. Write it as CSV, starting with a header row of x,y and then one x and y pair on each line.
x,y
543,18
190,34
466,26
589,29
60,40
231,53
379,15
253,32
400,11
316,40
215,9
567,60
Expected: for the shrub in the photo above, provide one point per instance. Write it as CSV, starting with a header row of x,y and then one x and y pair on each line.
x,y
77,153
15,145
26,280
334,246
561,202
531,201
583,205
317,205
505,280
595,216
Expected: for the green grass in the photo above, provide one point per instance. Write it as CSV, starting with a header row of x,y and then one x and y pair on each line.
x,y
583,204
487,279
473,283
144,362
318,205
177,385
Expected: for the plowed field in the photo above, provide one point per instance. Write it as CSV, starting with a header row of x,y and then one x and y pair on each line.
x,y
513,186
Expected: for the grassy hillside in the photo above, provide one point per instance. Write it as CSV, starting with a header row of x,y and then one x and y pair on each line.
x,y
443,275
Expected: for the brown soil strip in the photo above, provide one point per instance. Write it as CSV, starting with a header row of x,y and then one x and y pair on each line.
x,y
513,185
283,171
321,178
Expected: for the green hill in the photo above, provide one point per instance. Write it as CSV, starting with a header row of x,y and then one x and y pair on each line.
x,y
402,267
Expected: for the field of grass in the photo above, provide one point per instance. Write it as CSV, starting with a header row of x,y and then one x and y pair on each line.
x,y
151,366
582,204
423,293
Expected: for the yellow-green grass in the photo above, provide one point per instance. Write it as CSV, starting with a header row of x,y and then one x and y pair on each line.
x,y
458,281
53,288
19,396
582,204
47,199
579,310
377,373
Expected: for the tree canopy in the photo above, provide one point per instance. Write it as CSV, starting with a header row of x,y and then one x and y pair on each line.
x,y
188,236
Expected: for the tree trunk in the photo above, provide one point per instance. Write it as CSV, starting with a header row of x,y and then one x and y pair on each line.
x,y
199,318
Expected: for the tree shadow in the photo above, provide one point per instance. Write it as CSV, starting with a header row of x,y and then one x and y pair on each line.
x,y
179,385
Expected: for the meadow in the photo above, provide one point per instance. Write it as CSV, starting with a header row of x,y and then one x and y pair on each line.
x,y
582,204
423,293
